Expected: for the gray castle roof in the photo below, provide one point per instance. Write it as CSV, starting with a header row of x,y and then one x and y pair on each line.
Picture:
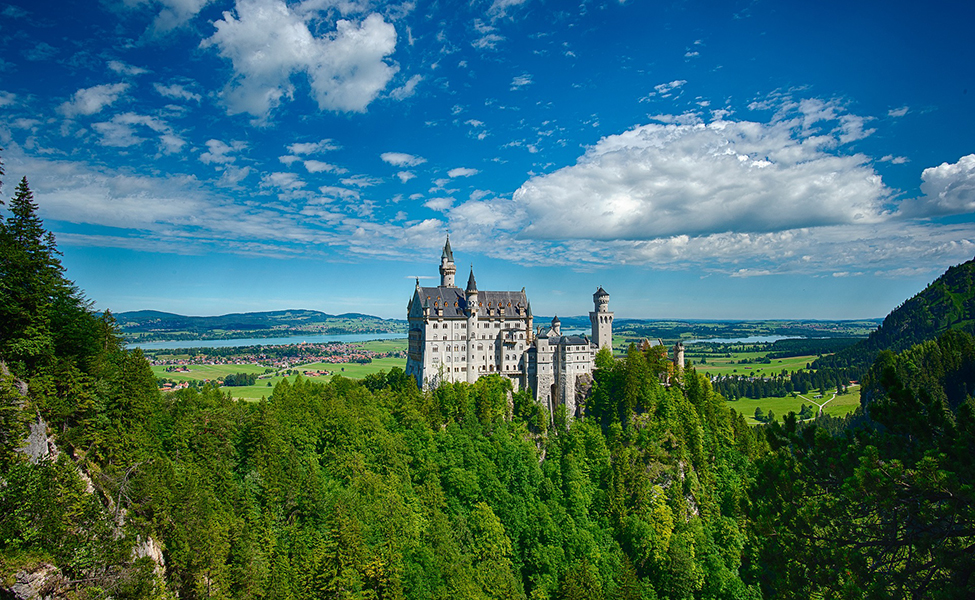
x,y
447,253
454,301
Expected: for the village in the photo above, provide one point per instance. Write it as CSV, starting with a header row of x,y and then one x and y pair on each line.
x,y
181,368
277,357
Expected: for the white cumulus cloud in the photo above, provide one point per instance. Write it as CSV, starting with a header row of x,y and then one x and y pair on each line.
x,y
123,68
400,159
221,153
659,180
268,43
88,101
520,81
317,166
313,147
462,172
125,130
176,92
949,189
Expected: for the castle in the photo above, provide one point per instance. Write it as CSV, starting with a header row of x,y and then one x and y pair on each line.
x,y
461,335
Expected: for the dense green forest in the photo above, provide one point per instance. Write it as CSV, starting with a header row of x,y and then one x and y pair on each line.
x,y
373,489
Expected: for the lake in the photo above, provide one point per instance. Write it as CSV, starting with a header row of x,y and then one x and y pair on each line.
x,y
273,341
753,339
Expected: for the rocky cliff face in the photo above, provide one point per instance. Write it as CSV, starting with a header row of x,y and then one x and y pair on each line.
x,y
40,446
43,580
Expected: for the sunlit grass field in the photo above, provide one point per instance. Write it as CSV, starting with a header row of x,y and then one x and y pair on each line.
x,y
838,407
730,366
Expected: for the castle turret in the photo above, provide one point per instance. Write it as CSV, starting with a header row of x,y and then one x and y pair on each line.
x,y
678,358
602,320
447,268
472,305
556,326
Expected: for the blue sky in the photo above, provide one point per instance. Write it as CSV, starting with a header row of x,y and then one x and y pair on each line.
x,y
734,160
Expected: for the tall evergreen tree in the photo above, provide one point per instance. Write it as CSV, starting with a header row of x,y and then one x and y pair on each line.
x,y
32,274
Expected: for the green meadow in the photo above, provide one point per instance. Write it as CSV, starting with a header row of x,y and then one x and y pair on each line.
x,y
265,385
731,365
840,406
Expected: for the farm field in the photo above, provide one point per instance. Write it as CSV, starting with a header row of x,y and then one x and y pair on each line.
x,y
398,345
729,365
840,406
255,392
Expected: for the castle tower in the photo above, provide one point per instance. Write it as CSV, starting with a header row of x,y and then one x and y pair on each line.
x,y
602,320
447,268
557,326
678,358
471,294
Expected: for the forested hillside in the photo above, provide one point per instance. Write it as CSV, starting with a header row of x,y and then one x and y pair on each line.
x,y
947,303
59,360
373,489
886,507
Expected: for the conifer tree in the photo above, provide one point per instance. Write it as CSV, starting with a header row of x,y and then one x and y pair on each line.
x,y
32,276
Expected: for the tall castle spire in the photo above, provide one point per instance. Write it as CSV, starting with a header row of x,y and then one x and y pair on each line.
x,y
472,310
447,268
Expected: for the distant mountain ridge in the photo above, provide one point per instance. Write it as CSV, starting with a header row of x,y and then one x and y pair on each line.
x,y
152,325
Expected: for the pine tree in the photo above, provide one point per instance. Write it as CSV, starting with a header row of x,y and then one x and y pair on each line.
x,y
32,276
